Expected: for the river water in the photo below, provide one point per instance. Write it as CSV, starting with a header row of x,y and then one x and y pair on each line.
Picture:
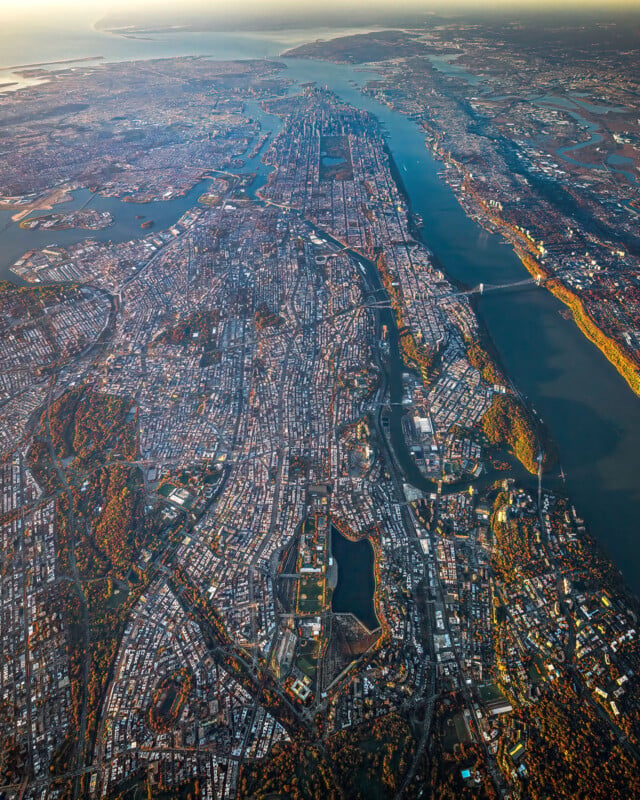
x,y
593,415
572,106
14,240
128,217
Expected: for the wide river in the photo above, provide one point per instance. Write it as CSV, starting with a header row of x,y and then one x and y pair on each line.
x,y
593,415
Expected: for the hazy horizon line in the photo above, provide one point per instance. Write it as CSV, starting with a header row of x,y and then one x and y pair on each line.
x,y
106,13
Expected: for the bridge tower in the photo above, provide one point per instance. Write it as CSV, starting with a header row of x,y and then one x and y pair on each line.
x,y
481,288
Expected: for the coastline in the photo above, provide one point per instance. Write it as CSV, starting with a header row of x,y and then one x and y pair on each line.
x,y
608,346
423,360
613,351
52,63
46,202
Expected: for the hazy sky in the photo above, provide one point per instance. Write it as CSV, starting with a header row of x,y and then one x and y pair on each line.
x,y
21,9
20,17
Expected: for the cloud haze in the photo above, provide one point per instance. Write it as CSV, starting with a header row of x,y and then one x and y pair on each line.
x,y
170,10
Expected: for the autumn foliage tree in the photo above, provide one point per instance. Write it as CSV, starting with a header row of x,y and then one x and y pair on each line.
x,y
507,424
480,359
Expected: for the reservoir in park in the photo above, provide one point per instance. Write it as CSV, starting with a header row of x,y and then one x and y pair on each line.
x,y
355,589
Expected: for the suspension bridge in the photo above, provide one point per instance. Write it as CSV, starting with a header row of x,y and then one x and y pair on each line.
x,y
481,288
485,288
